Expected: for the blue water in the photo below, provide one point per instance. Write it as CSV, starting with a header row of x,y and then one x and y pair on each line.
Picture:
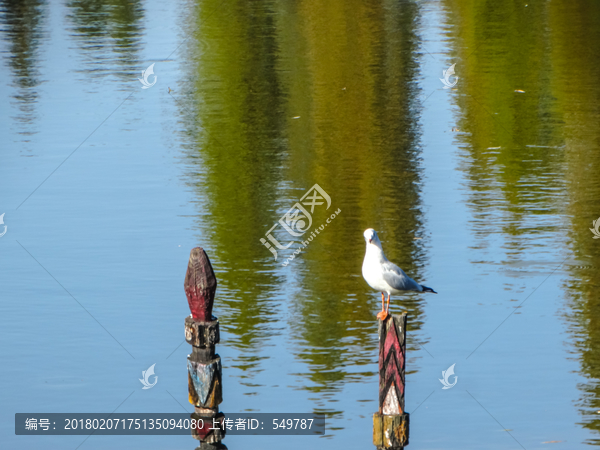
x,y
106,187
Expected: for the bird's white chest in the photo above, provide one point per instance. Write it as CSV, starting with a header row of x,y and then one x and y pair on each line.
x,y
372,273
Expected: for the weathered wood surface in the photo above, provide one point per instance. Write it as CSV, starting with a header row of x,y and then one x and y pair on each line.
x,y
204,383
204,365
390,432
203,336
200,285
391,422
213,430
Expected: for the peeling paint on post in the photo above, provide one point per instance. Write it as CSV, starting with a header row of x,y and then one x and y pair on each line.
x,y
204,366
390,423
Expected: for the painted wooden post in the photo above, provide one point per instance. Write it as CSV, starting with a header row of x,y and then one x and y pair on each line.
x,y
390,423
204,366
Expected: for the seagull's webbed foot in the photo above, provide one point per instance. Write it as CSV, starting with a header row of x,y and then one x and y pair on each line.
x,y
382,315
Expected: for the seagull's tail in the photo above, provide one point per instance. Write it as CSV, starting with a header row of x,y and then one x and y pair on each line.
x,y
428,289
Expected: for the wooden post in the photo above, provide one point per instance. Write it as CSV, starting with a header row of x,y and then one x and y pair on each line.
x,y
204,366
390,423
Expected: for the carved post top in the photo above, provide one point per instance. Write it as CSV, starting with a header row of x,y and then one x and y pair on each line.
x,y
200,285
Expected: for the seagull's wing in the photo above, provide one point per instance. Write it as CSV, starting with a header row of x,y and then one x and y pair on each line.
x,y
397,279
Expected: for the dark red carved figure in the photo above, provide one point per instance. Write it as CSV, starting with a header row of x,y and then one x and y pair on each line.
x,y
200,285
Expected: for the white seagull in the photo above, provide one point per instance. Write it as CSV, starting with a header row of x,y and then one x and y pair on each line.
x,y
383,275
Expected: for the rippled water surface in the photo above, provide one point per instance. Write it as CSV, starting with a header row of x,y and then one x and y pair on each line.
x,y
485,191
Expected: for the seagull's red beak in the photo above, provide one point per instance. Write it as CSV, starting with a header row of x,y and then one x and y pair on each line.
x,y
370,240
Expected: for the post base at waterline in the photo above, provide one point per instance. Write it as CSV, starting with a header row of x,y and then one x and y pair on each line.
x,y
390,431
205,446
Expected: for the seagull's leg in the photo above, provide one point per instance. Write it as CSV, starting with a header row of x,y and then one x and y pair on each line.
x,y
382,314
388,303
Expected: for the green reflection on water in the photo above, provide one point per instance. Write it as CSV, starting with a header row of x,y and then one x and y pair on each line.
x,y
542,186
23,25
576,39
282,96
108,24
